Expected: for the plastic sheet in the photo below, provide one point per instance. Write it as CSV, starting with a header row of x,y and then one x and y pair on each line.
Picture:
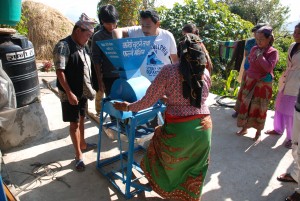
x,y
7,100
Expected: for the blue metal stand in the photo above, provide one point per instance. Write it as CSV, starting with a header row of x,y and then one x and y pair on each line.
x,y
124,173
2,191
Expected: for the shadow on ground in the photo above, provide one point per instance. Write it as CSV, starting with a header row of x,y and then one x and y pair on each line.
x,y
239,169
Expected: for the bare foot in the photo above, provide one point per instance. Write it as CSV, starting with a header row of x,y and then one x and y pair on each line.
x,y
242,132
257,137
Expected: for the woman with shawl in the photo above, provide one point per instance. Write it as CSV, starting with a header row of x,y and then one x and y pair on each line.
x,y
177,158
256,91
191,28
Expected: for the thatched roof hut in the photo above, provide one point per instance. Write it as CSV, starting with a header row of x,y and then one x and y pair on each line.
x,y
46,26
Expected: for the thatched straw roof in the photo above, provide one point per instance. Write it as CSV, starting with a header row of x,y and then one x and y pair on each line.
x,y
46,26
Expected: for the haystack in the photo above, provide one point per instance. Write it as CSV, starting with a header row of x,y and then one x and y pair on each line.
x,y
46,26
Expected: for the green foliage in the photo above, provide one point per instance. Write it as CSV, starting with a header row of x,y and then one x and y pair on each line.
x,y
128,9
21,27
277,75
270,11
218,85
282,44
214,21
223,87
232,84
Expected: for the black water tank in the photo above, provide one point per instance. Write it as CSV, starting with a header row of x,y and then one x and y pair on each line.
x,y
18,61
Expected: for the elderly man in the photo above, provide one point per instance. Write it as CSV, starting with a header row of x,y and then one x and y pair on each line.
x,y
73,70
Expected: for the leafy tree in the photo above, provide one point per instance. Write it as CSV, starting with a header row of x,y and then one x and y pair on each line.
x,y
217,23
214,21
128,9
148,3
255,11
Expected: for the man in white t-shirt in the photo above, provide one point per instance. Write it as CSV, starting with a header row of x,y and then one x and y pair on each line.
x,y
164,50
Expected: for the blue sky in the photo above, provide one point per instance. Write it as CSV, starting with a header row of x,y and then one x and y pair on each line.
x,y
73,8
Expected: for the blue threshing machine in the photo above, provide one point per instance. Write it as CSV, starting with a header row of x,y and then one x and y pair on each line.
x,y
126,55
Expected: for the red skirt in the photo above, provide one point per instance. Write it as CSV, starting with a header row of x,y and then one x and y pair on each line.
x,y
252,103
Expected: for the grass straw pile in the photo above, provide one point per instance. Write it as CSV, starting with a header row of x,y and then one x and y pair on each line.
x,y
46,26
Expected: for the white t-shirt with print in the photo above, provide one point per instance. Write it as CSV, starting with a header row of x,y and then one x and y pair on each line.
x,y
159,55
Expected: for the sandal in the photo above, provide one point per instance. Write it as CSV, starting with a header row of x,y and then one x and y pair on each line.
x,y
89,147
257,137
288,144
79,165
294,197
286,177
242,132
234,115
272,132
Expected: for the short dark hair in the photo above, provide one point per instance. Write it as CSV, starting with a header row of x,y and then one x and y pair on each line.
x,y
190,28
258,26
78,27
150,13
75,27
108,14
297,25
266,30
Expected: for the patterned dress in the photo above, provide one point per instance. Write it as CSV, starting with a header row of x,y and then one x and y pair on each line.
x,y
256,91
177,158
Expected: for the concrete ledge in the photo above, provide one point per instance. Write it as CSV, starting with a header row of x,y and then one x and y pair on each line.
x,y
24,123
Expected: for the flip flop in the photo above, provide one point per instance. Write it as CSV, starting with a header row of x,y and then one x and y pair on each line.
x,y
286,177
79,165
234,115
294,197
89,147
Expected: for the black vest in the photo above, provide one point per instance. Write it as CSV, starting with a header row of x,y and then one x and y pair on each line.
x,y
74,71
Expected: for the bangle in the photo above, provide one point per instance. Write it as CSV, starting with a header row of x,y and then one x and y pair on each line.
x,y
127,108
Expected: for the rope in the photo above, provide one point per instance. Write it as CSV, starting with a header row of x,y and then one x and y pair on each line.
x,y
230,105
42,172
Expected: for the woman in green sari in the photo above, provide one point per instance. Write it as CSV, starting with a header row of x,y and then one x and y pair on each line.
x,y
177,158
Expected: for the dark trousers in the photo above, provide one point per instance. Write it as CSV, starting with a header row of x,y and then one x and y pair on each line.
x,y
108,82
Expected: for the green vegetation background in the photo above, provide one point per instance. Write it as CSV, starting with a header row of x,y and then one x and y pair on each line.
x,y
216,22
